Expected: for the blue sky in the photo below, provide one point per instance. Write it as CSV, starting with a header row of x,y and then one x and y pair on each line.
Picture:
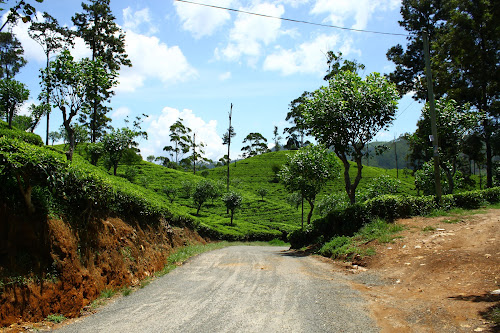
x,y
192,62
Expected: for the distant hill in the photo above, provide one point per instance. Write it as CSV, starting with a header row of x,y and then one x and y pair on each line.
x,y
387,160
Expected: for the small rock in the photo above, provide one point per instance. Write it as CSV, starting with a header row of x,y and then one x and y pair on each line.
x,y
440,229
418,247
407,263
487,256
495,292
398,281
479,329
389,248
404,246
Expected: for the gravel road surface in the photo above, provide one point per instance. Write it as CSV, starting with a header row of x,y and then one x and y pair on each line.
x,y
238,289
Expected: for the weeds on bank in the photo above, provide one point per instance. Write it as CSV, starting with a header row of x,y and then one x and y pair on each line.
x,y
345,247
55,318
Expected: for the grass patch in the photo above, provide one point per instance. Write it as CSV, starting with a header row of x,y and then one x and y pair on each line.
x,y
107,293
428,228
494,315
56,318
145,282
345,247
126,291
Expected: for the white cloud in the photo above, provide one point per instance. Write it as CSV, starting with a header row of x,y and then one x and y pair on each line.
x,y
339,11
34,51
309,57
225,76
158,133
250,33
201,20
152,59
121,113
135,21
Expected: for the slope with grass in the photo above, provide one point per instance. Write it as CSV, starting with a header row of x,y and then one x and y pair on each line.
x,y
257,218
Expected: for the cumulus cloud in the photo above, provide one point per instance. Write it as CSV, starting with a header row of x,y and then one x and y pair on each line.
x,y
309,57
200,20
225,76
121,113
250,33
138,21
158,133
152,59
361,11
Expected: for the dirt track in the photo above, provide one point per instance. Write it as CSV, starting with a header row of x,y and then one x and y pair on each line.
x,y
439,275
239,289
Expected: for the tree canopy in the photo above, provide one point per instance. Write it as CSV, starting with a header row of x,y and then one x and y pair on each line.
x,y
347,114
307,171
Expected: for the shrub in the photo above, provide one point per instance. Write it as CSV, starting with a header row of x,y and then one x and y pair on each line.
x,y
14,133
382,185
170,192
262,191
232,200
332,202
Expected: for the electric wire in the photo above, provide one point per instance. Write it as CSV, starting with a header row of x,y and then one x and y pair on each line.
x,y
292,20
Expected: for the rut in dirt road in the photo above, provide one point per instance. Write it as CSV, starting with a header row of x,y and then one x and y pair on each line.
x,y
238,289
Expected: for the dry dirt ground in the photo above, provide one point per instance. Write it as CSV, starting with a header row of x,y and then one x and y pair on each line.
x,y
438,275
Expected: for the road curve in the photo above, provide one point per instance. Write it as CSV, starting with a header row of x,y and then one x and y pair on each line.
x,y
238,289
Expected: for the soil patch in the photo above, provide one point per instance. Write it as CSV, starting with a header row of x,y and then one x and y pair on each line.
x,y
112,254
438,277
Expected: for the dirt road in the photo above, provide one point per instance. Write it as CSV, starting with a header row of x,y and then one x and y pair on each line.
x,y
239,289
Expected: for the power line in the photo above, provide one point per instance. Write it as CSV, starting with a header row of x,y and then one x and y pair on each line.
x,y
292,20
399,115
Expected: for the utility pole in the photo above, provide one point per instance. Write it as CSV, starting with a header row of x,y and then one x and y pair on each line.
x,y
194,153
434,138
229,132
396,156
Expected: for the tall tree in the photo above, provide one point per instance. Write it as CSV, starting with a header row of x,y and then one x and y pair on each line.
x,y
347,114
96,25
465,38
276,139
197,153
52,38
22,9
12,95
181,140
455,124
307,172
11,55
256,144
69,80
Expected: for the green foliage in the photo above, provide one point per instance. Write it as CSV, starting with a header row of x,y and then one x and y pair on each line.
x,y
232,200
15,133
30,165
307,172
294,199
56,318
424,179
347,114
202,192
115,143
332,202
256,145
348,247
387,207
262,191
12,95
382,185
170,192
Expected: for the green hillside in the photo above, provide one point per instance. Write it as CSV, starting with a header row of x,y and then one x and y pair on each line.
x,y
257,218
